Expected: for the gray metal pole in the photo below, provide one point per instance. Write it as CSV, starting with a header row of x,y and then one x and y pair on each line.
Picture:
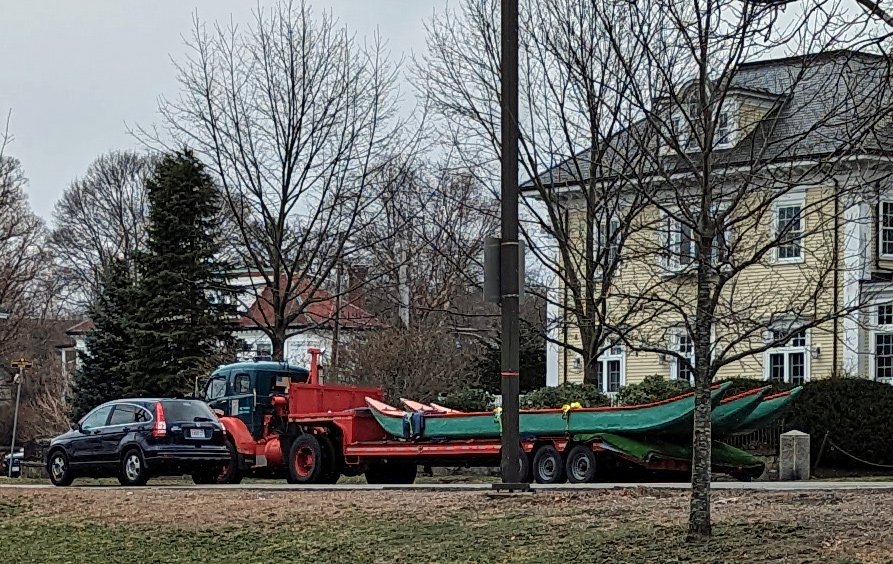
x,y
509,247
15,420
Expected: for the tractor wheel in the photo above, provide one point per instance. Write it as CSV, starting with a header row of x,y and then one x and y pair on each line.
x,y
548,468
232,472
305,460
331,459
580,466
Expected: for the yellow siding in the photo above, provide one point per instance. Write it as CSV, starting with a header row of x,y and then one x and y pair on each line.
x,y
766,289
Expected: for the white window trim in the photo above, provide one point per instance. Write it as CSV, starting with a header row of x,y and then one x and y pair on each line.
x,y
880,229
799,200
787,349
603,235
674,363
729,130
603,360
875,330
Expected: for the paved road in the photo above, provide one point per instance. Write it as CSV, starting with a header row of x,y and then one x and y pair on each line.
x,y
752,486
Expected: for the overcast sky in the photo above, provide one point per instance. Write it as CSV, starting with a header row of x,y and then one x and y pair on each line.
x,y
75,74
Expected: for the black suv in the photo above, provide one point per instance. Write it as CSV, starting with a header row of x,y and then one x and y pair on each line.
x,y
136,439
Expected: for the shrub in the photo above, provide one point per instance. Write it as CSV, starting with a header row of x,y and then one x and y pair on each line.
x,y
652,388
587,395
741,384
473,399
857,415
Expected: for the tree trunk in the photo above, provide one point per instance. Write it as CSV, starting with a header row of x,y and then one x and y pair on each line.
x,y
699,512
590,374
278,345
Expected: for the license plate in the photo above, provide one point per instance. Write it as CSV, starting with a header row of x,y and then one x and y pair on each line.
x,y
196,433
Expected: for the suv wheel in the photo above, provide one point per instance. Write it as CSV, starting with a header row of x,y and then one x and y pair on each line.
x,y
59,470
133,470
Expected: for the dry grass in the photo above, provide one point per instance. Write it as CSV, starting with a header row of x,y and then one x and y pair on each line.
x,y
636,525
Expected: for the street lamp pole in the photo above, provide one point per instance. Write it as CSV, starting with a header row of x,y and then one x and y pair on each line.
x,y
21,364
509,250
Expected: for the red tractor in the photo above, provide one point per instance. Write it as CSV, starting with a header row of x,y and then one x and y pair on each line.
x,y
282,423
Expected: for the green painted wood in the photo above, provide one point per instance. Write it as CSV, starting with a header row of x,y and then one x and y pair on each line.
x,y
768,411
670,417
732,412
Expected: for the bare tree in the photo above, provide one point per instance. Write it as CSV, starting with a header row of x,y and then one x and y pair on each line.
x,y
425,241
573,101
754,174
100,217
21,256
292,113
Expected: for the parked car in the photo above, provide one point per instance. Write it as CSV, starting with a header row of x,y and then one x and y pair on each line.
x,y
16,461
137,439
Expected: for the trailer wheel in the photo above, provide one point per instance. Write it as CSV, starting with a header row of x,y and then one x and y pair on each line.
x,y
331,461
580,467
524,470
305,460
548,468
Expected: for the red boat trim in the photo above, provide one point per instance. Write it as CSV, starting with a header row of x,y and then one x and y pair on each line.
x,y
744,394
778,395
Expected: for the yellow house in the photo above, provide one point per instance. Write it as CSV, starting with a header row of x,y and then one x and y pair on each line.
x,y
802,260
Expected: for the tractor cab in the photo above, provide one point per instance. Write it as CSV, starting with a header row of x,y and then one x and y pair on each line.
x,y
246,389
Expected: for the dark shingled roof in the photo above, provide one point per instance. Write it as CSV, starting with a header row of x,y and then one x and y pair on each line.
x,y
826,104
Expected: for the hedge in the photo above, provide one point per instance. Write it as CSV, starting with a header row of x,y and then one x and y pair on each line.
x,y
587,395
467,400
652,388
856,414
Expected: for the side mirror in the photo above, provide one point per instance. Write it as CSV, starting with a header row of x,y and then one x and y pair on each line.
x,y
76,427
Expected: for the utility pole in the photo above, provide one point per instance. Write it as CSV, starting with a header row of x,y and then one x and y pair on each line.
x,y
21,364
336,331
509,250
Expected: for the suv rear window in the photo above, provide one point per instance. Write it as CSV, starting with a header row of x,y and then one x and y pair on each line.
x,y
186,411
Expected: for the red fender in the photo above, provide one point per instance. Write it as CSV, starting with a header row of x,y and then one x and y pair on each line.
x,y
240,434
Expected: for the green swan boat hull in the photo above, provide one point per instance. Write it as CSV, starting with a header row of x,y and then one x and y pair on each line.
x,y
734,410
768,411
667,417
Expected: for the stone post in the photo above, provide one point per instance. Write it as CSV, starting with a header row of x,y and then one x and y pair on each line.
x,y
793,456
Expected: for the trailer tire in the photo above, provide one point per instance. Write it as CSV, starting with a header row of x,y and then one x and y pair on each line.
x,y
581,465
524,470
548,467
305,460
232,472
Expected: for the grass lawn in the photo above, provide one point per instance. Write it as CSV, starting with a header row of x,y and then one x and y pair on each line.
x,y
638,525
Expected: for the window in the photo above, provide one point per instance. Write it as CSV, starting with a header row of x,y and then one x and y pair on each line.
x,y
885,229
608,241
242,383
216,389
96,418
263,350
126,414
882,343
682,246
788,361
609,370
683,344
789,230
723,129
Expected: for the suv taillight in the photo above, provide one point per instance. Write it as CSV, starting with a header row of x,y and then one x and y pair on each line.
x,y
159,429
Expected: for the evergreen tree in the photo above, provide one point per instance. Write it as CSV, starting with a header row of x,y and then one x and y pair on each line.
x,y
103,372
182,324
